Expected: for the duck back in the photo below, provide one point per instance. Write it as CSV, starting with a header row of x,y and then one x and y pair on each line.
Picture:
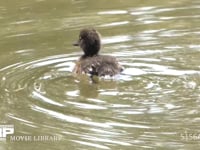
x,y
99,65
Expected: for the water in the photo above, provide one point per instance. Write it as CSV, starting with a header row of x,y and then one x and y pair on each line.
x,y
154,104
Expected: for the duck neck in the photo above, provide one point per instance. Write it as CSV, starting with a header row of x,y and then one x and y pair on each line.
x,y
86,56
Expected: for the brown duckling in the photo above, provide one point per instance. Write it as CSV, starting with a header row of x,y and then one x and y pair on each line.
x,y
91,62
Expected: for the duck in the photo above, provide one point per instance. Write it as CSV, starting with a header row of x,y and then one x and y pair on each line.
x,y
91,62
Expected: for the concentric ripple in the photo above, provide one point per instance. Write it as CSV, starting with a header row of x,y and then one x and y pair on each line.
x,y
107,109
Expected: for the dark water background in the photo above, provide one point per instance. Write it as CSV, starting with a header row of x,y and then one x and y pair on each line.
x,y
155,103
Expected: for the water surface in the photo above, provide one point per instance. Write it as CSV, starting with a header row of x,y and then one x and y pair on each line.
x,y
153,104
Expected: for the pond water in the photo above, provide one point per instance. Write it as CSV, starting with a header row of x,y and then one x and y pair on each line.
x,y
153,104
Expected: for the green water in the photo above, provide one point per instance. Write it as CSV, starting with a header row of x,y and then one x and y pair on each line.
x,y
154,104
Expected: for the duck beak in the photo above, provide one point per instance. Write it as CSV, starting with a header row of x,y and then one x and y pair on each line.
x,y
76,43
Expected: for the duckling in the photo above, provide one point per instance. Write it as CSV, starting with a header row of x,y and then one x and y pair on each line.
x,y
91,62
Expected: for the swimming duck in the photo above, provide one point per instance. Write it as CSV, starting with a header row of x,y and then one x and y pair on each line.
x,y
91,62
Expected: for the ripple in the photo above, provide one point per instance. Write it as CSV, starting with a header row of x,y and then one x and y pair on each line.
x,y
91,144
38,96
128,125
109,141
113,12
19,35
22,22
87,106
155,10
28,123
116,39
115,24
70,118
33,78
24,51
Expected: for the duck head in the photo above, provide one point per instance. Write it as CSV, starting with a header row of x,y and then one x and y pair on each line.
x,y
89,41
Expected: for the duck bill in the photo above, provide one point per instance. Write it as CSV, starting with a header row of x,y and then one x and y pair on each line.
x,y
76,44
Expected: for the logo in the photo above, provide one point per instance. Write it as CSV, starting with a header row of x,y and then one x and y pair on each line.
x,y
6,130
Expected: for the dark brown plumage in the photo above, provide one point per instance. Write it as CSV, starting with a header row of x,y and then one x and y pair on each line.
x,y
91,62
